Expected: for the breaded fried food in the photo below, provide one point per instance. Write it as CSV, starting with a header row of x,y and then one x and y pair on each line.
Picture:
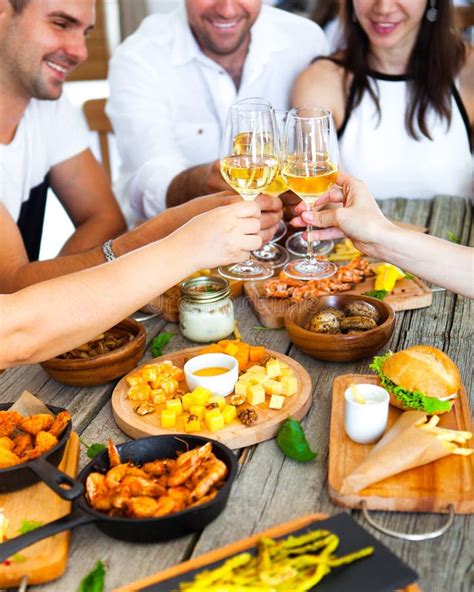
x,y
34,424
60,422
22,443
44,441
8,458
9,420
6,442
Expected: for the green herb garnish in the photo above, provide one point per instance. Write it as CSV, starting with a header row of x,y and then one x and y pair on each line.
x,y
453,238
379,294
94,580
158,343
413,399
93,449
292,441
28,525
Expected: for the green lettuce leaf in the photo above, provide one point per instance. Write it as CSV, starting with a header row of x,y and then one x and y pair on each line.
x,y
413,399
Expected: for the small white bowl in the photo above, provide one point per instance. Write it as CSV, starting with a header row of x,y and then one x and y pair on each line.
x,y
366,422
221,384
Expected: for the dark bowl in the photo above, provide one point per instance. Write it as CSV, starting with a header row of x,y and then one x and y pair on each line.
x,y
103,368
339,347
167,527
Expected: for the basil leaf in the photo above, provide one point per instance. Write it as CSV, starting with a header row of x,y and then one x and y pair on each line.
x,y
93,449
94,580
158,343
292,441
379,294
28,525
453,238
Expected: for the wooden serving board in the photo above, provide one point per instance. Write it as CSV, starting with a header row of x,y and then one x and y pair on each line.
x,y
236,434
209,559
167,304
407,295
429,488
47,559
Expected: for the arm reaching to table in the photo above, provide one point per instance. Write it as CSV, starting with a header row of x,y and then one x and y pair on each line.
x,y
17,272
52,317
434,259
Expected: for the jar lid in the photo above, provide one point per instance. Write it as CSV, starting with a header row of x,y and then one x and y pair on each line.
x,y
205,288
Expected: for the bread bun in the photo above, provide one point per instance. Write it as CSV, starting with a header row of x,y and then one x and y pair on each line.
x,y
423,368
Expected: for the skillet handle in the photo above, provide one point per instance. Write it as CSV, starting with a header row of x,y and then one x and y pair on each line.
x,y
76,518
54,478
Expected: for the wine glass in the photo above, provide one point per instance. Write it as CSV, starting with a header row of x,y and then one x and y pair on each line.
x,y
309,167
275,255
249,161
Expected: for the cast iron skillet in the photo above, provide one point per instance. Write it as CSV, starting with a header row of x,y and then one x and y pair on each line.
x,y
145,530
42,468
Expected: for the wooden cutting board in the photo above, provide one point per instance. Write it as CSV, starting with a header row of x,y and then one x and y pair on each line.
x,y
407,295
47,559
167,304
430,488
236,434
209,559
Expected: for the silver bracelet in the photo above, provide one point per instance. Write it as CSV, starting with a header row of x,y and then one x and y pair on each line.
x,y
108,251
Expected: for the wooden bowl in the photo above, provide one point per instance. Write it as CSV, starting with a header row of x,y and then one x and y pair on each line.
x,y
103,368
339,347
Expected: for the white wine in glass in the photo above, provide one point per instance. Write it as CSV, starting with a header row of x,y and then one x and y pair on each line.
x,y
249,161
309,166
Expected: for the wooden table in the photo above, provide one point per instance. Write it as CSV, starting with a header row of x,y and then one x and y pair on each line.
x,y
271,488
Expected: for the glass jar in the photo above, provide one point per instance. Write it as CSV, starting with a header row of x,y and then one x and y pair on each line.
x,y
206,312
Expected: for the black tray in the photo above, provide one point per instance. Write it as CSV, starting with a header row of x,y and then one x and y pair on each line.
x,y
381,572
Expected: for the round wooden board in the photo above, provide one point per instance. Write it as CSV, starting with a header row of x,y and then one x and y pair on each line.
x,y
235,435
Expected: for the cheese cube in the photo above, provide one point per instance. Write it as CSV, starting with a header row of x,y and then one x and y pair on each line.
x,y
272,387
158,396
201,395
229,413
283,364
187,400
286,372
215,423
192,424
139,392
273,368
240,388
258,378
134,379
256,369
255,394
149,373
197,410
175,405
231,349
212,413
219,400
248,378
289,386
276,402
168,418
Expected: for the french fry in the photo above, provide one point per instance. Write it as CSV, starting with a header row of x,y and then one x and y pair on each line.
x,y
448,437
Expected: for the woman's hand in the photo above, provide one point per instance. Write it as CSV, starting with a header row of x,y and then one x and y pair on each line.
x,y
355,214
222,236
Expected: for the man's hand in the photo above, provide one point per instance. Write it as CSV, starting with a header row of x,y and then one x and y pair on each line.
x,y
290,200
213,180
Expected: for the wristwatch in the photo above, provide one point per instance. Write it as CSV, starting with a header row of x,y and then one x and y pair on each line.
x,y
108,251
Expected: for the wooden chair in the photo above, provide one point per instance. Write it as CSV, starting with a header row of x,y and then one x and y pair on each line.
x,y
97,119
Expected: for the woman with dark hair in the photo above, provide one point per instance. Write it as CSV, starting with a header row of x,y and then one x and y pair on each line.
x,y
402,96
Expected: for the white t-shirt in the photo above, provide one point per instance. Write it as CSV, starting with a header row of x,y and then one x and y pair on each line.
x,y
169,102
48,133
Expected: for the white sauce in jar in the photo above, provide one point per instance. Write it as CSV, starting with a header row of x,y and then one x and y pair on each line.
x,y
206,312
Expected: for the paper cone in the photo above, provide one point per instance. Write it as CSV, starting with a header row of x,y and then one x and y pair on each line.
x,y
404,447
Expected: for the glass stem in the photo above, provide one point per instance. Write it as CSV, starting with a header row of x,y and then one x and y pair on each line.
x,y
309,231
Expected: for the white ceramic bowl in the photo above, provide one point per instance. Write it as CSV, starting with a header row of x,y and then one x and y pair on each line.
x,y
366,422
221,384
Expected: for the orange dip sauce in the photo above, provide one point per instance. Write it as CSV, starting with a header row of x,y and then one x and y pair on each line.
x,y
210,371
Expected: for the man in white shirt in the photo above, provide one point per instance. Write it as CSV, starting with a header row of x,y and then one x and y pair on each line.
x,y
173,81
43,140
